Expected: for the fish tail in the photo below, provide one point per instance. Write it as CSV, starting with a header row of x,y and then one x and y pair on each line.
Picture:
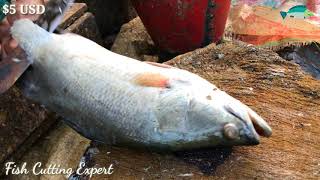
x,y
283,14
53,14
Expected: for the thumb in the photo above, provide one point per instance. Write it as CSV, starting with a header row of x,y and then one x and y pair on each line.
x,y
8,47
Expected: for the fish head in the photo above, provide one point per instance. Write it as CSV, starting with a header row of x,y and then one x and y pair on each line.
x,y
232,122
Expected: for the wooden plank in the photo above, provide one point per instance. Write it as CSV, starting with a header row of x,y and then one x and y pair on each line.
x,y
61,146
19,119
86,26
75,12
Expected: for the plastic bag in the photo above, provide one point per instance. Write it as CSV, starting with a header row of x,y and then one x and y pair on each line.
x,y
275,23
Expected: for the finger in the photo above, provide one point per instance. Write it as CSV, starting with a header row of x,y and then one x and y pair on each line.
x,y
5,40
3,52
4,29
9,46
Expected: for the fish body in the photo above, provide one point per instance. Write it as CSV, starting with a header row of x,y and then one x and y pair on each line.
x,y
299,12
117,100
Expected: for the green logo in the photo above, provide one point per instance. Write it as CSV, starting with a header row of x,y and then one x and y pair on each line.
x,y
298,12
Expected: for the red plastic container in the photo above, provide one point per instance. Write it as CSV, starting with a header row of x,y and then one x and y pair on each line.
x,y
179,26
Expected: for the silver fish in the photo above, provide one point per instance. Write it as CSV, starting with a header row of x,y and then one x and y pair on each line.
x,y
117,100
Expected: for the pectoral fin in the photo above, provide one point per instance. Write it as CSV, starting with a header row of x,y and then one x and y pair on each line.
x,y
11,68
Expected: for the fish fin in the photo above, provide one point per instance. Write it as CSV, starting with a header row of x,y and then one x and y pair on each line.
x,y
11,68
308,13
283,14
152,80
159,65
53,15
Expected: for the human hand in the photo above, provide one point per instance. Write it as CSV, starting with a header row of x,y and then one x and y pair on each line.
x,y
7,43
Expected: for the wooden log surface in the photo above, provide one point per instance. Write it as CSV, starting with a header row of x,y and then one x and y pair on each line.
x,y
278,90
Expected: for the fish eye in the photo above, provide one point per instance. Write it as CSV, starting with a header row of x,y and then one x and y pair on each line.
x,y
231,131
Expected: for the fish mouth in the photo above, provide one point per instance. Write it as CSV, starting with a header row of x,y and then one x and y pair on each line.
x,y
257,126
